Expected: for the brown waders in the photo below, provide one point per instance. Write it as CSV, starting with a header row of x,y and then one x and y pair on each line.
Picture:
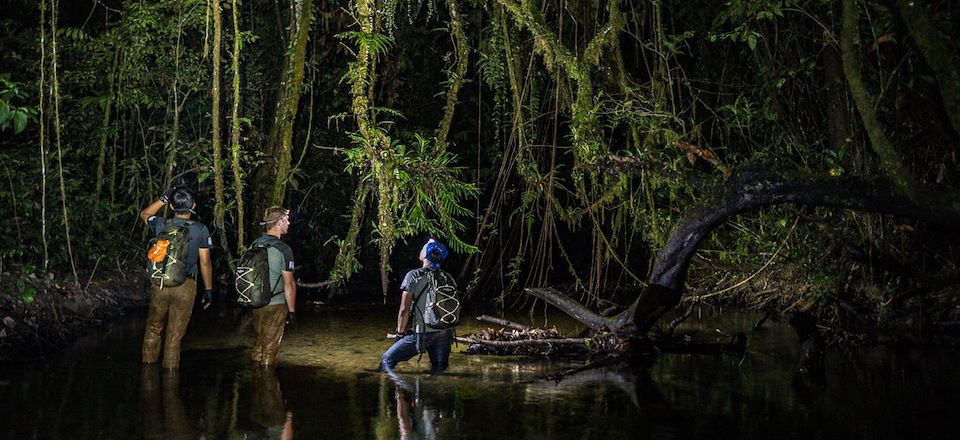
x,y
268,322
170,307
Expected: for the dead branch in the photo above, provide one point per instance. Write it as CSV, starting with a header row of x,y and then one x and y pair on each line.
x,y
504,322
676,321
581,342
327,283
571,307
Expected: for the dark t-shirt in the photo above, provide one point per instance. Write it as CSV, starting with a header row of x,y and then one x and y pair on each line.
x,y
199,239
417,281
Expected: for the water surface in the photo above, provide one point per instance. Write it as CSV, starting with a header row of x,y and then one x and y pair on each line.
x,y
326,386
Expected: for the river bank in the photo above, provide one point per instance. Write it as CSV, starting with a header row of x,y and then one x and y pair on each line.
x,y
44,315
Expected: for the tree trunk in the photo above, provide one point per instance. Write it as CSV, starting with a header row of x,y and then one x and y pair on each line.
x,y
287,107
219,210
43,141
754,187
56,129
849,38
750,188
173,142
235,129
942,61
346,263
105,125
461,51
377,149
588,144
838,121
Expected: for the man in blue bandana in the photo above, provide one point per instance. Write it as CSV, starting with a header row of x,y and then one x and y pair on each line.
x,y
436,342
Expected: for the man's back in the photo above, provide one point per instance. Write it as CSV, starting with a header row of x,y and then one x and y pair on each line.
x,y
199,238
418,282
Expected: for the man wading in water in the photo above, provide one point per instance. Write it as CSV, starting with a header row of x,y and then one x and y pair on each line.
x,y
269,320
174,273
436,342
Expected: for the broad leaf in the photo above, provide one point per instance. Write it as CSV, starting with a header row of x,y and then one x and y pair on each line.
x,y
19,121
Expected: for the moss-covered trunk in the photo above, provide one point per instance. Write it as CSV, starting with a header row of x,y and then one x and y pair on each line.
x,y
462,54
849,39
377,148
346,263
235,129
287,110
219,210
273,176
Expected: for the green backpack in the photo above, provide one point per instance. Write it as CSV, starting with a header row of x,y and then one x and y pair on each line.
x,y
254,288
167,254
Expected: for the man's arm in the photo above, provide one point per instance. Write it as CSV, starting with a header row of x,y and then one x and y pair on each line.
x,y
290,290
403,315
206,271
151,210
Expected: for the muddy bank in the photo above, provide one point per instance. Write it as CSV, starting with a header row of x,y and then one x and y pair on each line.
x,y
41,316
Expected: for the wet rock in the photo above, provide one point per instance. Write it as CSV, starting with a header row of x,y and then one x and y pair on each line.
x,y
9,322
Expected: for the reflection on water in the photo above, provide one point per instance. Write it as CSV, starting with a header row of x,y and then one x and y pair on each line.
x,y
326,386
160,406
418,417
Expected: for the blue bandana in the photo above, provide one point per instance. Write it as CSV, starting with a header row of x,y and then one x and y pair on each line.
x,y
435,253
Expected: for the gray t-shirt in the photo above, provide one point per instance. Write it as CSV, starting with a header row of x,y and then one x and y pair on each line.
x,y
417,281
280,257
199,239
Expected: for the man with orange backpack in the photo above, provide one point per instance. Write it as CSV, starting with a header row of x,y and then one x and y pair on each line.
x,y
179,244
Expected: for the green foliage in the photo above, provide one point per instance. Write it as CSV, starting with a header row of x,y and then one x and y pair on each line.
x,y
604,109
745,17
378,44
14,116
492,67
428,188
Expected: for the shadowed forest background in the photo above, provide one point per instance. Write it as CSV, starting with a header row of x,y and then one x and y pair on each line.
x,y
549,143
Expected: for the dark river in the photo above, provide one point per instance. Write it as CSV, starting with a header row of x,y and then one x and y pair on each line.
x,y
326,387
